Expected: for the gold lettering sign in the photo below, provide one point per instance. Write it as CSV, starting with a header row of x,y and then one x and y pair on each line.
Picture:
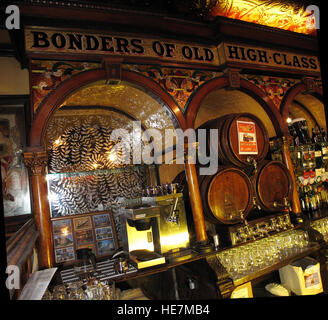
x,y
67,42
240,54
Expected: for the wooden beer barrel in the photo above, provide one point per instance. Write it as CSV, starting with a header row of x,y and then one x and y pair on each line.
x,y
226,195
240,136
272,183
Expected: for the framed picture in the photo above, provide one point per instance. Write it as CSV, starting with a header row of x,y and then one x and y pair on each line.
x,y
64,254
63,226
101,220
14,175
95,231
104,233
84,237
63,240
105,246
82,223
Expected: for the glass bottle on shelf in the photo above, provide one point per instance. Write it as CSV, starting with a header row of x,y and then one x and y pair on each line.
x,y
316,140
304,131
311,157
304,204
324,148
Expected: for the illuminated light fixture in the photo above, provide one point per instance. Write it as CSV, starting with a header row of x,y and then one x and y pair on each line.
x,y
289,120
284,15
57,142
112,156
95,165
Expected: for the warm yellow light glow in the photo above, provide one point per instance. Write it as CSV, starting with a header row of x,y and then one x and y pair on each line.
x,y
176,239
58,142
64,231
95,165
289,120
278,14
112,156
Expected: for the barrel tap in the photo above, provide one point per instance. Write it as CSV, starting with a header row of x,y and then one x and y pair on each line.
x,y
252,162
285,206
255,205
242,217
246,227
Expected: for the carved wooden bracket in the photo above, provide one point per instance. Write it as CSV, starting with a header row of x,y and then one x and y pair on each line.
x,y
36,162
310,84
233,76
113,68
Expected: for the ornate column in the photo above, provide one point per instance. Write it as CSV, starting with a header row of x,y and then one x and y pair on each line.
x,y
36,162
195,201
296,205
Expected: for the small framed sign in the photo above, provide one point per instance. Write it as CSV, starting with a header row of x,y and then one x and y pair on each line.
x,y
247,142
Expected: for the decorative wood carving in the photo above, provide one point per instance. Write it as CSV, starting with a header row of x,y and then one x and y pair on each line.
x,y
310,84
233,76
36,162
113,69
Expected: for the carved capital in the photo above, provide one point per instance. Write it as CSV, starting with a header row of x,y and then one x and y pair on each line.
x,y
36,162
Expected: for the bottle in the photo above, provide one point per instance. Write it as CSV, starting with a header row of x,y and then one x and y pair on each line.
x,y
324,149
318,198
311,161
323,135
304,130
324,194
317,151
309,207
313,199
302,199
303,157
313,136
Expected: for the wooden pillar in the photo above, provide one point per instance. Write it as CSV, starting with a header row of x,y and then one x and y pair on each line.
x,y
36,162
296,205
195,200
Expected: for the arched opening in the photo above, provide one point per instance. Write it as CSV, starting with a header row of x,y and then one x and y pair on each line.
x,y
118,106
54,100
221,102
299,102
216,94
310,108
75,122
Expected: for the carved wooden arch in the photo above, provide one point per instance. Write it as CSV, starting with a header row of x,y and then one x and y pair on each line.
x,y
246,87
293,92
52,102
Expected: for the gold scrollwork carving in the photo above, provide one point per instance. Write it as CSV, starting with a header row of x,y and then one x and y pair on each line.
x,y
36,162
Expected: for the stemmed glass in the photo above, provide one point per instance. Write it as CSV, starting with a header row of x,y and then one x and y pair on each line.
x,y
59,293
